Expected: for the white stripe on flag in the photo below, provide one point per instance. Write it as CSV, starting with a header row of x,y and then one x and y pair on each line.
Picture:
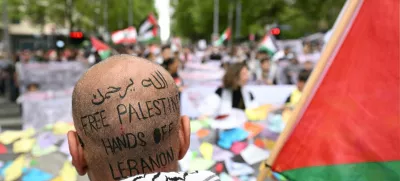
x,y
118,36
146,36
145,27
127,35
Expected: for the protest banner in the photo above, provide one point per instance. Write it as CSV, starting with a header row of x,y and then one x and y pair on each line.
x,y
296,45
42,108
201,74
192,97
50,76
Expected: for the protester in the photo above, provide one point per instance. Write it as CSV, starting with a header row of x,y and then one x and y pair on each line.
x,y
177,55
26,57
263,78
52,56
12,82
261,54
308,65
38,56
4,74
72,56
292,70
97,57
81,56
215,54
238,55
151,57
231,95
172,66
165,54
33,87
294,97
186,55
235,78
148,142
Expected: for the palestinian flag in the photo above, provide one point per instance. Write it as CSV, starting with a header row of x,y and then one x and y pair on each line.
x,y
225,36
148,29
267,44
126,36
347,124
103,49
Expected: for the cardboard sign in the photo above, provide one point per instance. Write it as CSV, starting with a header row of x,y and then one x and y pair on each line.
x,y
50,76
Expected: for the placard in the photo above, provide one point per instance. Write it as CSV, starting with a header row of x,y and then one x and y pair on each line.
x,y
191,98
42,108
50,76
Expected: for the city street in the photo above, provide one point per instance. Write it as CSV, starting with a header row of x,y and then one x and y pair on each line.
x,y
10,116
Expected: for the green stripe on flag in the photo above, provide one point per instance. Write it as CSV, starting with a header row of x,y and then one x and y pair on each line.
x,y
269,51
368,171
105,54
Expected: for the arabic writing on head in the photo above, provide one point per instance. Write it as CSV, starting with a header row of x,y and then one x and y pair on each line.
x,y
161,82
111,89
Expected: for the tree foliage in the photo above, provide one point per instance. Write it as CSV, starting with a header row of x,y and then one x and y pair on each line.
x,y
117,13
194,18
84,16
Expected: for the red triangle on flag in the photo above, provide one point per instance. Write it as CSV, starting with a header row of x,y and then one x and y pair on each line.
x,y
98,45
347,126
152,19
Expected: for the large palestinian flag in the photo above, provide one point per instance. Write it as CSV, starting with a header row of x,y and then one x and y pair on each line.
x,y
347,125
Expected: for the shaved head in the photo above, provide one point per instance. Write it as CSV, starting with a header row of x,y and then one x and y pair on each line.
x,y
126,112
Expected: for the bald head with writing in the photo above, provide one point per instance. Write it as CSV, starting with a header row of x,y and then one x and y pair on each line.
x,y
126,112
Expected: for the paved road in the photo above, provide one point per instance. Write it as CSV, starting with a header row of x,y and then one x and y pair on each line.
x,y
10,115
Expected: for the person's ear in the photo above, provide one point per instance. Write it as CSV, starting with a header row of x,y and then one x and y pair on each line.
x,y
76,151
184,136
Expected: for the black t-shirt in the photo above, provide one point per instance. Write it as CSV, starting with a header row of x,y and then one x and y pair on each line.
x,y
237,98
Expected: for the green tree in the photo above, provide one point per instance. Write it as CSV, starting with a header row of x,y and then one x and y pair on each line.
x,y
194,18
118,12
39,12
310,16
84,16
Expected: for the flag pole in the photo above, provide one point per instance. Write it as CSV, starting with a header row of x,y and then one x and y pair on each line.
x,y
130,13
238,19
216,17
311,85
230,22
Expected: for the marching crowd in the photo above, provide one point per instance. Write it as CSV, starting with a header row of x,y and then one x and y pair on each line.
x,y
281,68
241,65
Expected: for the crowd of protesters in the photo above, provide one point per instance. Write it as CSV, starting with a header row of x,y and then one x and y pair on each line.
x,y
264,69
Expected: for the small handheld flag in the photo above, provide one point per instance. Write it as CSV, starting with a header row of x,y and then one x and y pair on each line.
x,y
225,36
